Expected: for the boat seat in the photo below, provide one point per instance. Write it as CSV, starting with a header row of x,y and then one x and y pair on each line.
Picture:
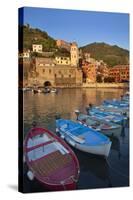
x,y
45,150
50,164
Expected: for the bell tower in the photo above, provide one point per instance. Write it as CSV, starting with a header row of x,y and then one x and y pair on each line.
x,y
74,54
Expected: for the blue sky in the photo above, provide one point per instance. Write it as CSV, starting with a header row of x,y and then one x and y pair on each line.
x,y
84,27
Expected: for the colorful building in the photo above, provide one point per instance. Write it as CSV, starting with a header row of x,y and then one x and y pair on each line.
x,y
63,44
120,73
89,72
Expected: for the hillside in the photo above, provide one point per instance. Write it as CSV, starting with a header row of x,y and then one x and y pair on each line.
x,y
35,36
112,55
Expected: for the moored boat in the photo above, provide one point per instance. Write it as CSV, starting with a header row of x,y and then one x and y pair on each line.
x,y
118,103
107,116
108,128
83,138
53,90
50,160
114,109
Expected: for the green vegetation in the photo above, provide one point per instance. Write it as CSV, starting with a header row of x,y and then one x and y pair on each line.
x,y
31,36
112,55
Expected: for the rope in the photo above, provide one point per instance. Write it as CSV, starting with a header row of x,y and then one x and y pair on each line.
x,y
118,172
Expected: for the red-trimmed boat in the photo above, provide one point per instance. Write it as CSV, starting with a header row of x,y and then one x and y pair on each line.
x,y
50,160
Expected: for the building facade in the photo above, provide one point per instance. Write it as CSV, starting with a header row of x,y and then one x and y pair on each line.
x,y
74,54
89,71
63,44
48,73
24,54
37,48
120,73
61,60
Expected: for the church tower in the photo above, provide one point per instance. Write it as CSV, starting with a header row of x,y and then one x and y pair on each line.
x,y
74,54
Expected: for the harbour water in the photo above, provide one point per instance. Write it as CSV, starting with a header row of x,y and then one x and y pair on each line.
x,y
95,172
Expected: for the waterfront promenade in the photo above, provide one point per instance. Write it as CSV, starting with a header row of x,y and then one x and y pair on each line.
x,y
105,85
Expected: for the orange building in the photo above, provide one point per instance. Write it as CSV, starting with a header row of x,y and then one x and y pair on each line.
x,y
89,72
63,44
119,73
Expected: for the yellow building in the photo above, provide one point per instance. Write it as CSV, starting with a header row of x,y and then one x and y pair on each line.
x,y
61,60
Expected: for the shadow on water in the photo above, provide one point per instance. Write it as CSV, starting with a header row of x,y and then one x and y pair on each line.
x,y
96,177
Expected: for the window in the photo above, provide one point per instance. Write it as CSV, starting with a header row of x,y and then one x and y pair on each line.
x,y
43,70
55,75
49,71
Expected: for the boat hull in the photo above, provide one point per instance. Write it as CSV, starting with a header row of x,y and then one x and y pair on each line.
x,y
112,132
46,172
102,150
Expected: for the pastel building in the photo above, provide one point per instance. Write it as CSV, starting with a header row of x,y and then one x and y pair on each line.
x,y
37,48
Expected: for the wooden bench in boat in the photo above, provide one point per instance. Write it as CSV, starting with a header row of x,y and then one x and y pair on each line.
x,y
50,164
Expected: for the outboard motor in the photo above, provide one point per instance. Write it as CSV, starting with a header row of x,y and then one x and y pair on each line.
x,y
57,116
77,112
88,108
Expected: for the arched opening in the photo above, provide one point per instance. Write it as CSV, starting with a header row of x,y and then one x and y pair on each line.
x,y
47,84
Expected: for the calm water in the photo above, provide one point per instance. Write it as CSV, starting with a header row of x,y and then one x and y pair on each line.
x,y
96,172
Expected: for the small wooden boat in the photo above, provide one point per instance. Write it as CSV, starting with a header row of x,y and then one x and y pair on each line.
x,y
107,128
83,138
107,116
50,160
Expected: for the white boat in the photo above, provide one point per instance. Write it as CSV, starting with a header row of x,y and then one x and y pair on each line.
x,y
53,90
83,138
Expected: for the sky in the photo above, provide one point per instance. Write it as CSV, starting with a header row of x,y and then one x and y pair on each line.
x,y
84,27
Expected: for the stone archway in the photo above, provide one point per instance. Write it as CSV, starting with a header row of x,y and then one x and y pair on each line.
x,y
47,84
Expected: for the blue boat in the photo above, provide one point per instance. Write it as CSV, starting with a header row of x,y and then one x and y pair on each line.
x,y
83,138
118,103
107,116
107,128
114,110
